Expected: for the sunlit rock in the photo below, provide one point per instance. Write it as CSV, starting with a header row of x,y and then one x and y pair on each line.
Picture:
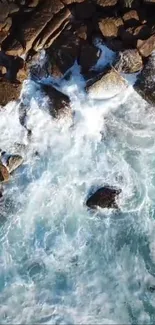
x,y
105,197
4,174
11,162
107,85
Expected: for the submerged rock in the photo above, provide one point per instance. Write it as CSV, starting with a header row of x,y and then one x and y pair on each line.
x,y
11,162
104,197
4,174
107,85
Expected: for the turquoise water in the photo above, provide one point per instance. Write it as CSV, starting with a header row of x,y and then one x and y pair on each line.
x,y
59,262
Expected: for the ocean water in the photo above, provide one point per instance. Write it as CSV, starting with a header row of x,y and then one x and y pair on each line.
x,y
61,263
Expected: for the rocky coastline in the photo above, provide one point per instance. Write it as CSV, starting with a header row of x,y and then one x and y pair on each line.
x,y
66,30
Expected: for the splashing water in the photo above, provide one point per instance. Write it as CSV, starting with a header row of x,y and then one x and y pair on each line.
x,y
59,262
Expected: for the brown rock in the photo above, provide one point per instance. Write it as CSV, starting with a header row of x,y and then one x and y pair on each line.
x,y
33,3
88,57
59,104
146,47
130,62
4,174
106,3
11,162
6,9
105,197
109,27
82,32
84,10
52,30
149,1
131,18
8,92
33,27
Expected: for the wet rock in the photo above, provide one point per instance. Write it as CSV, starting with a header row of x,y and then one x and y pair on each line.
x,y
109,27
145,84
11,161
146,47
59,103
107,85
68,2
64,51
82,32
8,91
88,57
4,174
130,62
105,197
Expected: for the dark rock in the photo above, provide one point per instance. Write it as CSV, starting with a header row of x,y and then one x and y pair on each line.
x,y
85,10
68,2
130,62
146,47
64,51
105,197
12,65
131,18
109,27
145,84
82,32
88,57
59,104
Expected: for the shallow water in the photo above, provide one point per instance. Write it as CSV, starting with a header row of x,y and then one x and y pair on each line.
x,y
59,262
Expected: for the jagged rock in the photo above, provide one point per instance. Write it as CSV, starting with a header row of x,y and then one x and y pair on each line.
x,y
109,27
106,3
88,57
52,30
4,174
146,47
131,18
32,28
105,197
145,84
7,9
8,91
130,62
33,3
11,162
107,85
64,51
59,104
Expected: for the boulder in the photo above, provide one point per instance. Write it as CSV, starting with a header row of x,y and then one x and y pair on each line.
x,y
104,197
12,65
4,174
146,47
145,84
130,62
59,103
11,162
109,27
107,85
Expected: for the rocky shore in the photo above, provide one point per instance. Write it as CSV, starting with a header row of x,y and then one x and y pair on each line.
x,y
67,30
